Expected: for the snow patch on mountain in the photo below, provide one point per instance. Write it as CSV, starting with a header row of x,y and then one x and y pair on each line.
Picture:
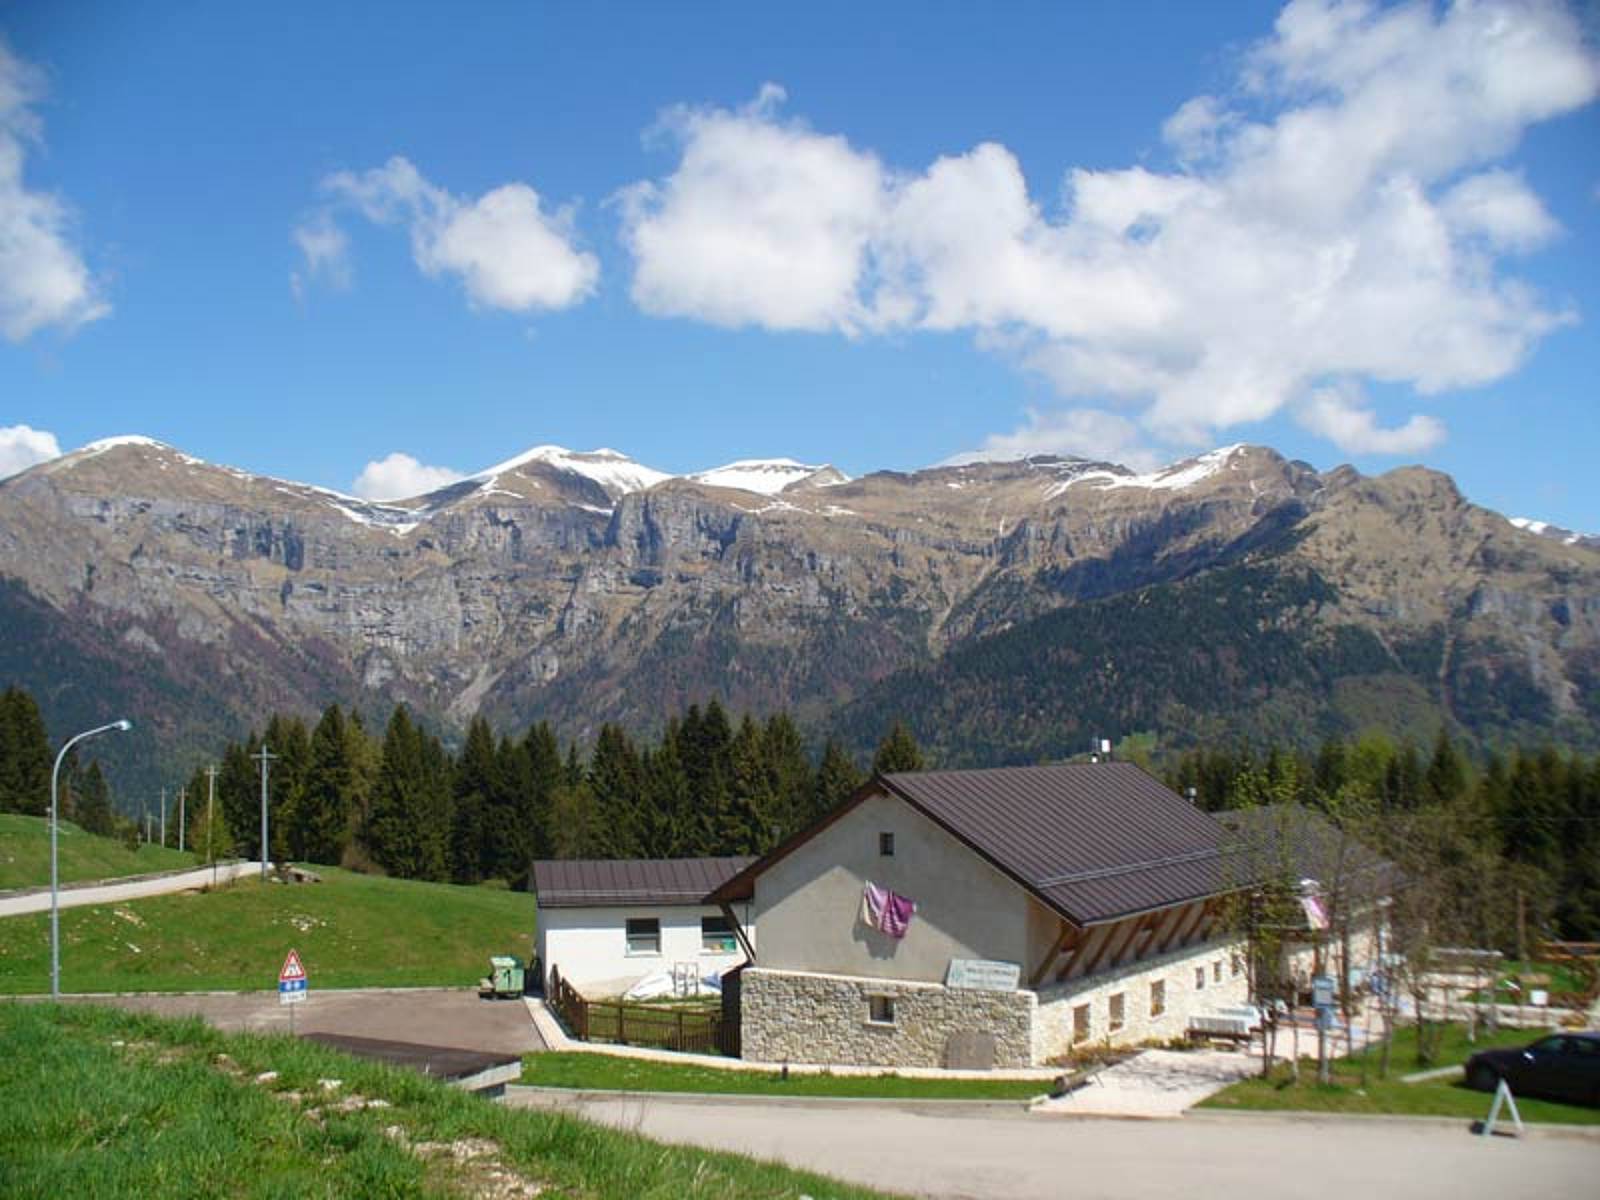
x,y
615,472
1184,474
765,476
1544,529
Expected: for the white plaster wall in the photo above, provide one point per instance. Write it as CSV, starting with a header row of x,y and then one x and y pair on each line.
x,y
590,945
810,902
1052,1029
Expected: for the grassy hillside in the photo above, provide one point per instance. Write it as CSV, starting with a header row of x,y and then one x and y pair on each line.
x,y
95,1102
25,854
351,930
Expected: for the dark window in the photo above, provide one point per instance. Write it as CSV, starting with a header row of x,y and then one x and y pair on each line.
x,y
886,845
716,936
1117,1010
880,1010
644,935
1199,978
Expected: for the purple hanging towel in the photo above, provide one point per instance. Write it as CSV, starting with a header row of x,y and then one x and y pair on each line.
x,y
874,900
897,915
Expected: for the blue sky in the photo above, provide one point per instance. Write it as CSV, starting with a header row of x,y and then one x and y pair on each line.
x,y
301,242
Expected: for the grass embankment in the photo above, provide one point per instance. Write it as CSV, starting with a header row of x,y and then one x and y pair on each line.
x,y
351,931
1446,1097
25,854
95,1102
604,1072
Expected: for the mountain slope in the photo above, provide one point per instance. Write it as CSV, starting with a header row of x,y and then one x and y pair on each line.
x,y
583,588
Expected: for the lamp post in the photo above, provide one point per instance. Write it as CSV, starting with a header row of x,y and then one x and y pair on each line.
x,y
121,726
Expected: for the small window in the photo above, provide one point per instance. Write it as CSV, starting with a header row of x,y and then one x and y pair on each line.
x,y
1080,1024
880,1010
1216,971
644,935
1117,1011
1238,965
1199,979
886,845
1158,997
717,937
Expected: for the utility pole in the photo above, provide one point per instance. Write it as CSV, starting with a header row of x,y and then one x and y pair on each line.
x,y
181,816
211,820
265,756
163,818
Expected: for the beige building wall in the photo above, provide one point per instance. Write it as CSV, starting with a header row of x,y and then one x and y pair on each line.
x,y
1194,979
809,903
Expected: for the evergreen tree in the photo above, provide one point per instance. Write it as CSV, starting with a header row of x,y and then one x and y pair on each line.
x,y
1445,780
837,779
25,755
94,801
238,796
750,817
288,740
705,747
670,825
320,817
897,752
574,822
789,779
409,823
616,784
542,753
477,788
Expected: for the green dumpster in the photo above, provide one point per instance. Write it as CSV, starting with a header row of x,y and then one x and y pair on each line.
x,y
505,975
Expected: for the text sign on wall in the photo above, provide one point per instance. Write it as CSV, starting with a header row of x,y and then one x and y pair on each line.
x,y
983,975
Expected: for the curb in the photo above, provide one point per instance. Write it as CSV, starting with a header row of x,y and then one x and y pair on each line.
x,y
958,1107
1542,1129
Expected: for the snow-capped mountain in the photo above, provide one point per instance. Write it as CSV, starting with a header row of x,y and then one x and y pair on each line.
x,y
1566,537
767,476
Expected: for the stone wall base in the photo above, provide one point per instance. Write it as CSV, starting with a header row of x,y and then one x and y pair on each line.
x,y
794,1016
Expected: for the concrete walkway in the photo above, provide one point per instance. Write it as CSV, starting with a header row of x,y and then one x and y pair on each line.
x,y
76,895
1153,1084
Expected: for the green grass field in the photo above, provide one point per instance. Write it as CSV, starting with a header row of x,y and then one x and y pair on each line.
x,y
95,1102
1447,1097
351,931
604,1072
25,854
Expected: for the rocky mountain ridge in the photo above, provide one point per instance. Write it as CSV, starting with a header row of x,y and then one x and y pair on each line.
x,y
584,588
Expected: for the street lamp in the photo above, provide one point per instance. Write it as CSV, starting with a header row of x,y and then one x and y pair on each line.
x,y
121,726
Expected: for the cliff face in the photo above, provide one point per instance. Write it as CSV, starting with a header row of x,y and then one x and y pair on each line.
x,y
539,593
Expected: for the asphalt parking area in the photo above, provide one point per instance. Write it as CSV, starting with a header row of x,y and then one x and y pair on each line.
x,y
454,1017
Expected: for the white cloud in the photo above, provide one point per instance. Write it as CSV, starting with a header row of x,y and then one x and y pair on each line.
x,y
400,476
1339,414
43,279
1340,215
506,250
325,251
1075,432
763,223
21,447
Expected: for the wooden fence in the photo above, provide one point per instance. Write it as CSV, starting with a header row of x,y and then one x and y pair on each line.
x,y
689,1030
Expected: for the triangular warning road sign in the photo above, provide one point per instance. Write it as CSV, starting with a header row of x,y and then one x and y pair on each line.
x,y
292,969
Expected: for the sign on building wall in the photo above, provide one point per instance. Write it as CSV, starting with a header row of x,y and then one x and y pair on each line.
x,y
984,975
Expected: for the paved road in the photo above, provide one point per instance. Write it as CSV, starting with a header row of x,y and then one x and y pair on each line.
x,y
1021,1156
432,1016
74,896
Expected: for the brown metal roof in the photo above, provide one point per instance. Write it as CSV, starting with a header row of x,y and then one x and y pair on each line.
x,y
582,882
1095,841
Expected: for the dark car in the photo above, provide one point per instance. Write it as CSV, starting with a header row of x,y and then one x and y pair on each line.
x,y
1563,1066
